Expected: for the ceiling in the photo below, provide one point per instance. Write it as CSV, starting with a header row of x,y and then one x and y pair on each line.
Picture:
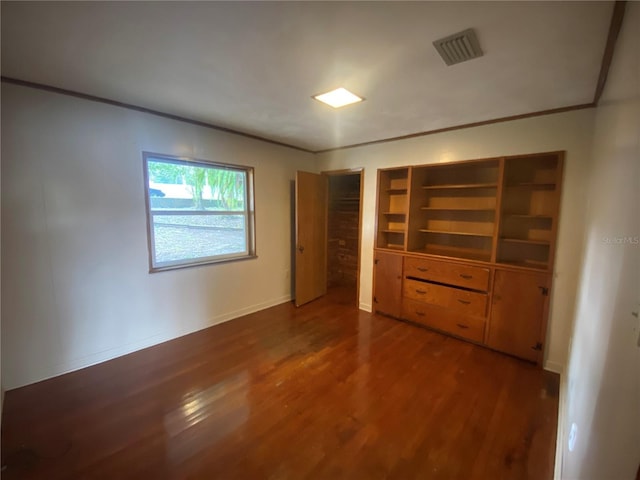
x,y
253,67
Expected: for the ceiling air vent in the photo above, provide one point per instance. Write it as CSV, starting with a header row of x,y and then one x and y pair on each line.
x,y
458,47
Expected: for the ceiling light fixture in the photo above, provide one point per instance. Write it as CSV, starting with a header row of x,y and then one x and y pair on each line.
x,y
338,98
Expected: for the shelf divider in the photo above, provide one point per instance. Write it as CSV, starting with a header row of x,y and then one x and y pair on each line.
x,y
444,232
524,240
462,209
538,217
530,185
459,186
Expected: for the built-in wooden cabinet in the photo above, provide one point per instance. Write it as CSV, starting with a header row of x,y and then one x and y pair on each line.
x,y
467,237
387,288
449,296
518,312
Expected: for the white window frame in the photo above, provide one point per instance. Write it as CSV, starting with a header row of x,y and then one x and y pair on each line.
x,y
248,213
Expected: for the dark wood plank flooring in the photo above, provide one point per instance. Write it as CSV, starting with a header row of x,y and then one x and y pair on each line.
x,y
321,392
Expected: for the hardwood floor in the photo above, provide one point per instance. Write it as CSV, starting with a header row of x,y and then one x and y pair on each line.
x,y
321,392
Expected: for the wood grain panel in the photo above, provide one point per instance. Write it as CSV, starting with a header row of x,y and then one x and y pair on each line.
x,y
311,237
518,309
387,289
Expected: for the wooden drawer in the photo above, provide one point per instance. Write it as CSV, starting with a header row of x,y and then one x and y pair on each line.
x,y
467,276
426,292
462,301
465,326
471,303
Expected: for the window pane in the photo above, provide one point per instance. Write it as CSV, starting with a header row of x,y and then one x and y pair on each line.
x,y
198,211
195,187
188,237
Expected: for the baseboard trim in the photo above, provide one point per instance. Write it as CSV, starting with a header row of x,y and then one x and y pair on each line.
x,y
246,311
79,363
557,469
365,306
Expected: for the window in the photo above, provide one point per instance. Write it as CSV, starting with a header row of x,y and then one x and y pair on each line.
x,y
198,212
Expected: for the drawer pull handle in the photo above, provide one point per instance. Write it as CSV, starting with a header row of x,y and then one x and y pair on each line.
x,y
422,269
420,314
464,327
464,302
466,277
421,292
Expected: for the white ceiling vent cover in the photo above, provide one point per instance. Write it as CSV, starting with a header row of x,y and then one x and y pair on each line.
x,y
458,47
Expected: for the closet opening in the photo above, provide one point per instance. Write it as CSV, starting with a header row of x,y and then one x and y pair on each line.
x,y
344,217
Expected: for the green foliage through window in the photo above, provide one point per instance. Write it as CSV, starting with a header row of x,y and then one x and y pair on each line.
x,y
198,211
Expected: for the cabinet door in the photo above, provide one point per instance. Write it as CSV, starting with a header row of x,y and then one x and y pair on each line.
x,y
387,294
518,313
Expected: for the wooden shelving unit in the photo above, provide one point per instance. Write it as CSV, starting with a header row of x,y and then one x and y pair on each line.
x,y
453,209
393,202
501,211
530,203
474,242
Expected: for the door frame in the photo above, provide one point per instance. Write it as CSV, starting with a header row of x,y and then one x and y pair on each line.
x,y
353,171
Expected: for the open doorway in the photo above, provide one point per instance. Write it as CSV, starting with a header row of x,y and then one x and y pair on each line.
x,y
343,234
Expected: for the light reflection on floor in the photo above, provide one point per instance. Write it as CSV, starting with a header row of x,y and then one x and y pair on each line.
x,y
187,425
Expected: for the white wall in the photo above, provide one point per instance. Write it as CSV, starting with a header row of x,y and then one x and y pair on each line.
x,y
76,287
603,381
567,131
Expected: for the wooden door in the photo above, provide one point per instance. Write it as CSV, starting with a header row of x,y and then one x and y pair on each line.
x,y
387,294
518,313
311,237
